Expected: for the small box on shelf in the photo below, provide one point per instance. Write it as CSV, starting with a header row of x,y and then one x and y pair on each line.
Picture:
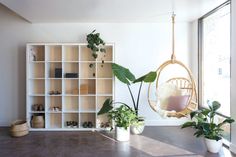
x,y
58,72
71,75
83,89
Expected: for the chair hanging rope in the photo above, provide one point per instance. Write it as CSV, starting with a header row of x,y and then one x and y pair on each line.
x,y
184,84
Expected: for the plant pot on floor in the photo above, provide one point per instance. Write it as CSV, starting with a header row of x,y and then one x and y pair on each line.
x,y
213,146
122,134
137,128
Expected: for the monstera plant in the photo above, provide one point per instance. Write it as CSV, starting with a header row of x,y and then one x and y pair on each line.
x,y
125,76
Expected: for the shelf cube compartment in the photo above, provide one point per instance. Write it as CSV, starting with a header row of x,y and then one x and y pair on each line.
x,y
37,120
54,87
107,56
87,103
36,87
104,86
51,70
87,118
54,103
101,100
103,121
71,120
36,53
54,121
71,53
104,70
37,103
36,70
71,68
87,86
71,86
54,53
86,54
71,103
87,70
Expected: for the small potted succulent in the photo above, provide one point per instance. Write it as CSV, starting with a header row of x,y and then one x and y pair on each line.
x,y
203,121
123,116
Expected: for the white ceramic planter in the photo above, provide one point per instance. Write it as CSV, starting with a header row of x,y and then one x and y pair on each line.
x,y
213,146
122,134
137,128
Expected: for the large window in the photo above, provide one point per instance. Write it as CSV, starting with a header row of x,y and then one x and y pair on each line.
x,y
214,59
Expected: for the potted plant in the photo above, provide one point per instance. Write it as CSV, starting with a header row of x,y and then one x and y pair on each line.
x,y
123,117
203,121
125,76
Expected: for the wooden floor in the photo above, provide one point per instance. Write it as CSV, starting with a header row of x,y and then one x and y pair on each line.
x,y
155,141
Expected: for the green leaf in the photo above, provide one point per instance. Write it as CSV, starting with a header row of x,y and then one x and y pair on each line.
x,y
193,114
205,111
188,124
149,77
106,107
215,105
198,133
123,74
209,104
228,120
206,127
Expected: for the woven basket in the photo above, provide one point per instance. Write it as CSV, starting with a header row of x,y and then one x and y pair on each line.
x,y
19,128
37,122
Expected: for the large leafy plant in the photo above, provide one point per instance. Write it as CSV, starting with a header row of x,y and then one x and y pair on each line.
x,y
204,122
124,75
123,116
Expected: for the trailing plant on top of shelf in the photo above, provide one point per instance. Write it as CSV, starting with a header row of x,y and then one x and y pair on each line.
x,y
95,43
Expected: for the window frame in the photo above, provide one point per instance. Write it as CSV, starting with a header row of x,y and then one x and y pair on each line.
x,y
200,57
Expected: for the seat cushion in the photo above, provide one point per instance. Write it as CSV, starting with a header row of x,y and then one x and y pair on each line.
x,y
177,103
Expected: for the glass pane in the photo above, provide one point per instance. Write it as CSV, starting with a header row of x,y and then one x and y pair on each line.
x,y
225,127
216,59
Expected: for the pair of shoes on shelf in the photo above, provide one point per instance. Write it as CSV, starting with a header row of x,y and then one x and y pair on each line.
x,y
54,93
55,109
105,125
38,107
88,124
71,124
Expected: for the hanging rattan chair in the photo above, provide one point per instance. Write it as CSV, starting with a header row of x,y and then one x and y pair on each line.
x,y
185,84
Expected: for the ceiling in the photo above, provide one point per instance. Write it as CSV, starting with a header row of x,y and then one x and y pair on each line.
x,y
53,11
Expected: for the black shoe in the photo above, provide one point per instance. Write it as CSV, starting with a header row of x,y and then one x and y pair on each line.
x,y
90,124
85,124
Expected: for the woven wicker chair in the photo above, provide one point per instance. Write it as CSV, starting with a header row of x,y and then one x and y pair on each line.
x,y
186,85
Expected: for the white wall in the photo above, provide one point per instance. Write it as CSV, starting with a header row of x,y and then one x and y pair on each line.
x,y
233,75
140,47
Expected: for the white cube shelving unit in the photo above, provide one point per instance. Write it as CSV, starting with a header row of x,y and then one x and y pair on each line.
x,y
73,102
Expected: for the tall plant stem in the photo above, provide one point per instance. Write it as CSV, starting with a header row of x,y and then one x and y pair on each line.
x,y
137,103
122,104
131,96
